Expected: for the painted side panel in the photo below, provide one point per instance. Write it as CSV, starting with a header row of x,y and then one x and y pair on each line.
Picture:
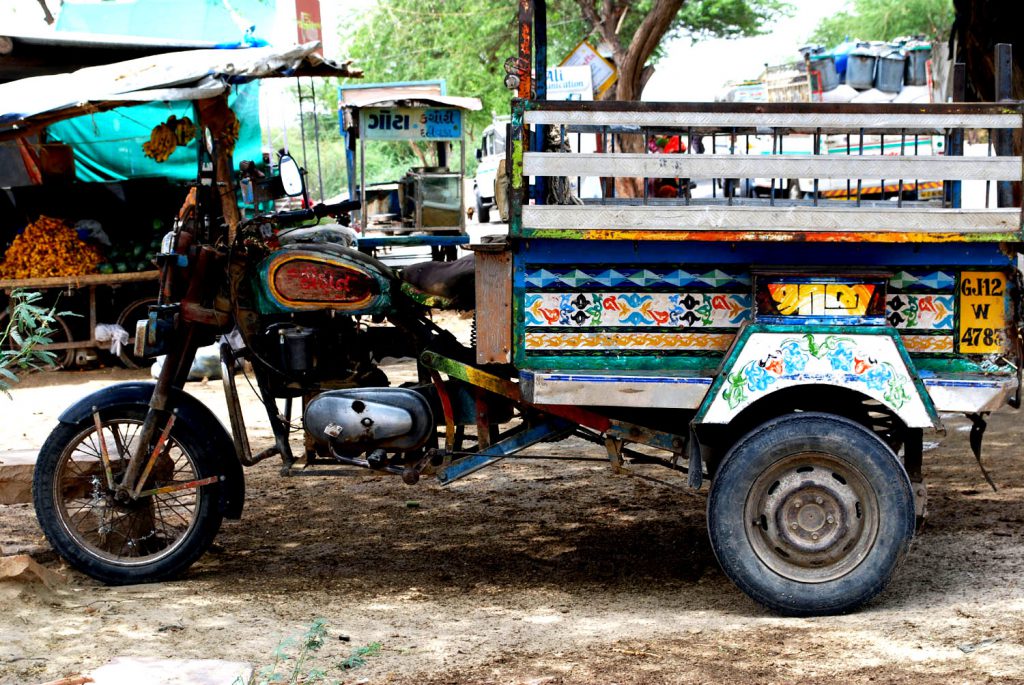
x,y
675,306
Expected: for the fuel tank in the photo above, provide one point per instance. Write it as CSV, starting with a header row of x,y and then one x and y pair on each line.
x,y
370,418
321,277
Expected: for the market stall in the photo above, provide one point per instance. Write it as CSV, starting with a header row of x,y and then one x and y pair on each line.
x,y
428,198
110,284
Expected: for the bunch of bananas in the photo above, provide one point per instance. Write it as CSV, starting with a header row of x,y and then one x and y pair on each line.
x,y
162,142
229,134
49,247
184,129
166,137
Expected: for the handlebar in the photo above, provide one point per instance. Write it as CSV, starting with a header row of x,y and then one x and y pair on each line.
x,y
320,211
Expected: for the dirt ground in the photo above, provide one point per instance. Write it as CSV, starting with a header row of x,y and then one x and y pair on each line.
x,y
528,572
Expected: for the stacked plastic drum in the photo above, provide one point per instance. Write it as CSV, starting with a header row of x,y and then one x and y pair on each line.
x,y
877,72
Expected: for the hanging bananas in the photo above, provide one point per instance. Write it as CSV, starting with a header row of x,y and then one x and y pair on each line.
x,y
166,137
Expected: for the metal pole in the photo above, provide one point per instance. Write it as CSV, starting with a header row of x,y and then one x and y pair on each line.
x,y
316,139
302,126
956,136
1004,137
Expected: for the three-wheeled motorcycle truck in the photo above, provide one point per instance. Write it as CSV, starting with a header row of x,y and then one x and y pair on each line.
x,y
789,353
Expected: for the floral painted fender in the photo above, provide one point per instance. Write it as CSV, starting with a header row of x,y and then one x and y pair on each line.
x,y
766,359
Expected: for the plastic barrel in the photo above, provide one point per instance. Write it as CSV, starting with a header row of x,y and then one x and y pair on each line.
x,y
889,75
826,66
860,68
916,71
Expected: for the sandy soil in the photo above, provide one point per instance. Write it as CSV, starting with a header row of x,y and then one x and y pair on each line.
x,y
529,572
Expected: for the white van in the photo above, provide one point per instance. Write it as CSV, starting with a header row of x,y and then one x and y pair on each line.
x,y
490,152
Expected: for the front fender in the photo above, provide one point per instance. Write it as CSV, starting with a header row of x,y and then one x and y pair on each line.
x,y
196,414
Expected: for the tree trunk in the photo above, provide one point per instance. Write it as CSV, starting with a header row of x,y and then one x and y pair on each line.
x,y
631,62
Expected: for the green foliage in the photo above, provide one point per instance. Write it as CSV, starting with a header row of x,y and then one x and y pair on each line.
x,y
702,19
887,19
290,668
360,655
296,660
466,42
29,327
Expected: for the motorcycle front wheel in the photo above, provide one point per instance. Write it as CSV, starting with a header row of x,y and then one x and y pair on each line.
x,y
149,539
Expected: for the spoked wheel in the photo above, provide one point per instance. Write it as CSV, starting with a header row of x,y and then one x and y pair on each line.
x,y
810,514
130,315
121,540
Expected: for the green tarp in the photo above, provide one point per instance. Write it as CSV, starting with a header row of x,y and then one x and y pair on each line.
x,y
108,146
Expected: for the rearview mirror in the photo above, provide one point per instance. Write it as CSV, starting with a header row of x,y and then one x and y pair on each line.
x,y
291,176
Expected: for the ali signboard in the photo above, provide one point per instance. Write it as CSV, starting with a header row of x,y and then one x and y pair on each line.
x,y
570,83
411,123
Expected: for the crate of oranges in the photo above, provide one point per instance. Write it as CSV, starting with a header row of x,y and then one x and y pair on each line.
x,y
49,247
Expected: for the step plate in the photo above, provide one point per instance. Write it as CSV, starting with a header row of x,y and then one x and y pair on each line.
x,y
653,391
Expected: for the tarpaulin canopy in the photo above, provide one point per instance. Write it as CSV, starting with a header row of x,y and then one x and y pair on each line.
x,y
32,103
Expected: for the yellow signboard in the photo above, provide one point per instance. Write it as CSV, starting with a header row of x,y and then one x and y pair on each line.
x,y
603,73
822,299
982,310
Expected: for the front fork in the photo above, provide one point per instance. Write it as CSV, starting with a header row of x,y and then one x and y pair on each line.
x,y
193,319
173,375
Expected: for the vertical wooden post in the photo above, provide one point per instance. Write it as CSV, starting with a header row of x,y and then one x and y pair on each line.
x,y
1004,137
525,49
215,115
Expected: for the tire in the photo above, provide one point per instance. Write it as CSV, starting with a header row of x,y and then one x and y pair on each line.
x,y
139,309
799,479
483,211
151,539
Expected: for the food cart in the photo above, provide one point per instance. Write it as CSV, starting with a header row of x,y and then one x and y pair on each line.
x,y
429,198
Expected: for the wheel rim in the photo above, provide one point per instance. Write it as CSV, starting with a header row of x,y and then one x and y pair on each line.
x,y
131,314
127,534
812,517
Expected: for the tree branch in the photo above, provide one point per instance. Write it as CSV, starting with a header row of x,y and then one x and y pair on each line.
x,y
645,41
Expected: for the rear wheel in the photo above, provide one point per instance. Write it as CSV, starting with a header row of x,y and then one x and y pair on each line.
x,y
130,315
810,514
483,211
118,542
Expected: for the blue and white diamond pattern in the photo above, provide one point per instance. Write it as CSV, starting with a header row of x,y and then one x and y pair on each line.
x,y
576,278
937,280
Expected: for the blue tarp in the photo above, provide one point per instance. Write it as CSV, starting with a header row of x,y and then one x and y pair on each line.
x,y
214,21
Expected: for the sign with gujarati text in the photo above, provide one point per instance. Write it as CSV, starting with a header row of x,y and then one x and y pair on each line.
x,y
603,73
570,83
411,123
307,19
819,298
982,312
